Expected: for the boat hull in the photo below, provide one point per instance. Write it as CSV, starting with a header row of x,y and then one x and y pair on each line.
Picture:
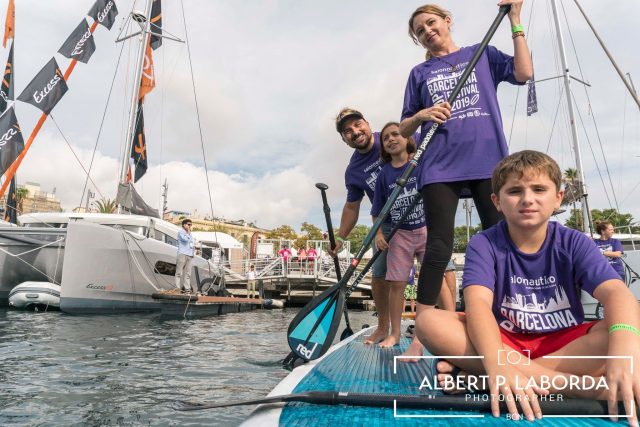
x,y
110,270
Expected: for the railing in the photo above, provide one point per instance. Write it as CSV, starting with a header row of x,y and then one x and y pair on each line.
x,y
273,268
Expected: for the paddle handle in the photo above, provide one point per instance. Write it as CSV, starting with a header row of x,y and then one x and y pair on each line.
x,y
332,237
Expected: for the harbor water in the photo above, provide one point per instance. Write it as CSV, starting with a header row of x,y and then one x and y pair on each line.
x,y
128,369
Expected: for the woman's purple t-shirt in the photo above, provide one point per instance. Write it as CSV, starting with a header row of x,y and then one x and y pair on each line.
x,y
538,293
612,245
471,142
362,171
385,185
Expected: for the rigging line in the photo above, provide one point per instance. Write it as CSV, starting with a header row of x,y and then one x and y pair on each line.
x,y
75,155
104,115
593,154
195,97
595,125
555,119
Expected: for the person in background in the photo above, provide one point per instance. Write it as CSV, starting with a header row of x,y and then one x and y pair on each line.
x,y
311,257
186,246
285,254
610,247
410,290
302,258
251,281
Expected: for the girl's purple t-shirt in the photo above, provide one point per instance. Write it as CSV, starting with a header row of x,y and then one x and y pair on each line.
x,y
362,171
385,185
472,141
612,245
536,293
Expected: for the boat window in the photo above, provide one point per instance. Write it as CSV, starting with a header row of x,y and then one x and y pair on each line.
x,y
47,224
133,228
170,240
167,268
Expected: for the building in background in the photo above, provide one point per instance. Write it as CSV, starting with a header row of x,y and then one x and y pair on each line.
x,y
31,199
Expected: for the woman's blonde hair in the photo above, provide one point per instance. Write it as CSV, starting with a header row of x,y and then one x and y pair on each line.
x,y
433,9
411,143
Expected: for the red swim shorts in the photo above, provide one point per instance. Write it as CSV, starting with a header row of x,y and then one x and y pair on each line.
x,y
543,344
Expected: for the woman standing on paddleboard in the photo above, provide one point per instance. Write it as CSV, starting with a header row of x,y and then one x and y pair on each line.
x,y
470,141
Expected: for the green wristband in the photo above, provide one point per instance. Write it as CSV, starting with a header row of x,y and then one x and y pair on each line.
x,y
340,239
624,327
517,28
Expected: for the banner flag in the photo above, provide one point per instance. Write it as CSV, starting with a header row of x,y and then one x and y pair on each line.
x,y
148,79
6,88
9,23
156,25
104,12
46,89
11,142
80,44
139,147
10,208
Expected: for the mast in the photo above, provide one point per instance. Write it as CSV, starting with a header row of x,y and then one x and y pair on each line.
x,y
143,20
586,214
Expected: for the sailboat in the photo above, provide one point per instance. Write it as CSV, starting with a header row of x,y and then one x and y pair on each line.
x,y
112,263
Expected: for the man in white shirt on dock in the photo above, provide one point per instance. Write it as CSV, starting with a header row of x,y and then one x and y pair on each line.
x,y
186,246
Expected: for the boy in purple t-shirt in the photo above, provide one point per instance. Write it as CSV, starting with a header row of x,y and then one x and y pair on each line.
x,y
522,282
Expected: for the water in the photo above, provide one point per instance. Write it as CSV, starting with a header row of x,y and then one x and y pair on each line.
x,y
126,370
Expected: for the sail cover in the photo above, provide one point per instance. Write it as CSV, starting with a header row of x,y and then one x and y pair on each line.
x,y
11,142
80,44
129,198
104,12
156,25
46,89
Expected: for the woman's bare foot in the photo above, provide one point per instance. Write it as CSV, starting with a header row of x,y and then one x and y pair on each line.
x,y
445,371
414,350
390,341
377,336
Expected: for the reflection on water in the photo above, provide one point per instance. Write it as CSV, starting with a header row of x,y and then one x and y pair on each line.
x,y
126,370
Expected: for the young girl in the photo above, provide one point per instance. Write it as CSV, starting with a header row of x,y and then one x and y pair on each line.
x,y
409,241
610,247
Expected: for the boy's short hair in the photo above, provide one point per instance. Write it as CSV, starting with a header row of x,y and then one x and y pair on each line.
x,y
525,161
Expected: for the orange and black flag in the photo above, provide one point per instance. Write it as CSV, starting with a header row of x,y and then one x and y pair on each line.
x,y
156,25
10,23
139,146
148,79
6,87
10,208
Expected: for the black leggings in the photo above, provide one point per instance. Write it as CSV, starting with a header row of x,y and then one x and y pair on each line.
x,y
440,204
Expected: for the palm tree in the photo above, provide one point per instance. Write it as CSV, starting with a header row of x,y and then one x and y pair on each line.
x,y
21,194
106,205
572,193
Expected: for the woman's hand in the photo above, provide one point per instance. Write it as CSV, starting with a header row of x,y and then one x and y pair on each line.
x,y
381,242
513,385
439,113
514,12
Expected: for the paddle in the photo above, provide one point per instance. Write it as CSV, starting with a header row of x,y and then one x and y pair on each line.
x,y
316,323
332,241
463,403
312,319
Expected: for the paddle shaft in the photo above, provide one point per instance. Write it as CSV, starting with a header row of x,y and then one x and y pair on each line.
x,y
463,403
332,241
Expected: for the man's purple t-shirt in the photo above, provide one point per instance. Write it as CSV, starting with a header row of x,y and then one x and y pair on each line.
x,y
362,171
612,245
471,142
538,293
385,185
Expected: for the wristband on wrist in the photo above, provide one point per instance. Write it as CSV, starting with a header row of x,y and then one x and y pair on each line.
x,y
623,327
339,239
518,34
517,28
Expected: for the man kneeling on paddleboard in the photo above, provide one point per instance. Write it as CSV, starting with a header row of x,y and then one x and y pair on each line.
x,y
522,283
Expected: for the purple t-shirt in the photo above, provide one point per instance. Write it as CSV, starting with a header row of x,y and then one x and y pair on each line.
x,y
612,245
471,142
385,185
539,292
362,171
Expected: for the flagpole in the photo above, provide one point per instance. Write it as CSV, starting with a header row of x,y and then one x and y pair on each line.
x,y
14,166
124,167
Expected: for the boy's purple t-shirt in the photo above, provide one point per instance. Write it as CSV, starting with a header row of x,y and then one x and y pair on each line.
x,y
612,245
472,141
385,185
362,171
536,293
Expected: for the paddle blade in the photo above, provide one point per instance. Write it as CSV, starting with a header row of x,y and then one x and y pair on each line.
x,y
311,332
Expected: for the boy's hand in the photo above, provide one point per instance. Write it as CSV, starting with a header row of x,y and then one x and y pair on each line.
x,y
381,242
623,385
507,380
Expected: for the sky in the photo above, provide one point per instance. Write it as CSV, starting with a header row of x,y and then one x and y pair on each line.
x,y
270,77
